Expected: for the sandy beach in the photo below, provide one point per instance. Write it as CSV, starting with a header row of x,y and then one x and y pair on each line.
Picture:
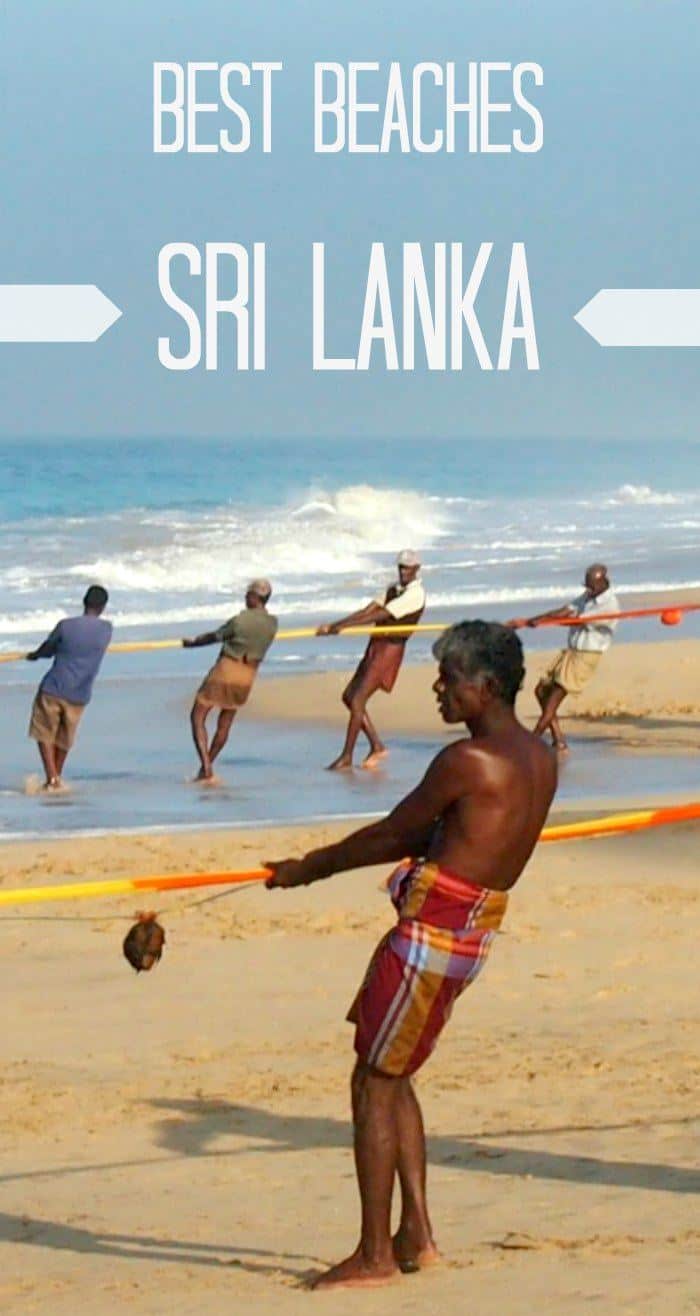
x,y
180,1140
643,696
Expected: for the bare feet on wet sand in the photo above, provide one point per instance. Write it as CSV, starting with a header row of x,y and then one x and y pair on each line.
x,y
374,758
204,779
355,1272
56,786
341,764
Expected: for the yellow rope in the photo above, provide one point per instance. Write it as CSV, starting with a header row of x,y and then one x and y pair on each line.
x,y
614,823
309,632
302,633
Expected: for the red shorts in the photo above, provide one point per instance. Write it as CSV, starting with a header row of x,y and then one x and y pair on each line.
x,y
380,664
400,1011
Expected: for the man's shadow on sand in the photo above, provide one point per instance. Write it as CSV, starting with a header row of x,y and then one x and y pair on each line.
x,y
199,1123
145,1247
192,1127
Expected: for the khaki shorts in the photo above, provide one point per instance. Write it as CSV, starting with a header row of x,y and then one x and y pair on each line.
x,y
572,670
227,684
54,721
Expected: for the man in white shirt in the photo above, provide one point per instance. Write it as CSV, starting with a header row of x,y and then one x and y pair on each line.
x,y
574,666
402,604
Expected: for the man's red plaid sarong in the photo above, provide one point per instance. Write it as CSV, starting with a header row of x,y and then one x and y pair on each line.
x,y
438,946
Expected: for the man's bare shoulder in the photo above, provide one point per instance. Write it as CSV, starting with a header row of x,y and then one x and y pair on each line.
x,y
473,755
538,747
453,752
462,757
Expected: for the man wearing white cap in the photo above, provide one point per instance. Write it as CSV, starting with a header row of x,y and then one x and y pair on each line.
x,y
574,666
401,605
244,640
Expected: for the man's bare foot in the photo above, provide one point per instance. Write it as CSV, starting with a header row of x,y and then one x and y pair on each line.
x,y
206,779
374,758
560,747
412,1257
341,764
355,1273
55,786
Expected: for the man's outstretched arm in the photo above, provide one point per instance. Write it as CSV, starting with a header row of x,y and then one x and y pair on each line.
x,y
209,637
47,648
367,616
403,832
555,615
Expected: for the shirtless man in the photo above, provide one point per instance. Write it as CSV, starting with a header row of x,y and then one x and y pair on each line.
x,y
244,640
471,825
401,605
574,666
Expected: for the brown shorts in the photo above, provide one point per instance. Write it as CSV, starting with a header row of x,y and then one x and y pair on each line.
x,y
227,684
379,665
54,721
572,670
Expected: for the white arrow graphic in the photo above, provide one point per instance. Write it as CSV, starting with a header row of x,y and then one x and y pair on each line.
x,y
54,313
643,317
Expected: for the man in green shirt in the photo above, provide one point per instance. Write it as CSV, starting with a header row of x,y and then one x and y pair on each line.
x,y
244,640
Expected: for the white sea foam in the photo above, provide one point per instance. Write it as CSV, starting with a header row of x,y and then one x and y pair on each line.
x,y
511,544
328,551
29,623
640,495
339,534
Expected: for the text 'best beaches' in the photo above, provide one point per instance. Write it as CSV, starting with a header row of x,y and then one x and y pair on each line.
x,y
422,293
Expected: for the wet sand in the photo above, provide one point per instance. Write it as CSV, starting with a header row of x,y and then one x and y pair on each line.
x,y
643,696
634,731
179,1141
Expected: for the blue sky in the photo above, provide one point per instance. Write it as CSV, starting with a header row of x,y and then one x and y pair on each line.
x,y
612,200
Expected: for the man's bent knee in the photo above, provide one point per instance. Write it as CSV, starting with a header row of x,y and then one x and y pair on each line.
x,y
358,703
370,1087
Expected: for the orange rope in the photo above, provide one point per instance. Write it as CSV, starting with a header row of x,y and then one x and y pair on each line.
x,y
309,632
594,618
612,825
617,823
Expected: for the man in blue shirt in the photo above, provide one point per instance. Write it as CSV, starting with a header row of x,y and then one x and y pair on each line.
x,y
77,646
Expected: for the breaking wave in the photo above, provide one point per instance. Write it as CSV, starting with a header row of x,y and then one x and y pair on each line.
x,y
327,550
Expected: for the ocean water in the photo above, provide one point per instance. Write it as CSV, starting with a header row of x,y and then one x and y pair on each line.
x,y
133,760
175,529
